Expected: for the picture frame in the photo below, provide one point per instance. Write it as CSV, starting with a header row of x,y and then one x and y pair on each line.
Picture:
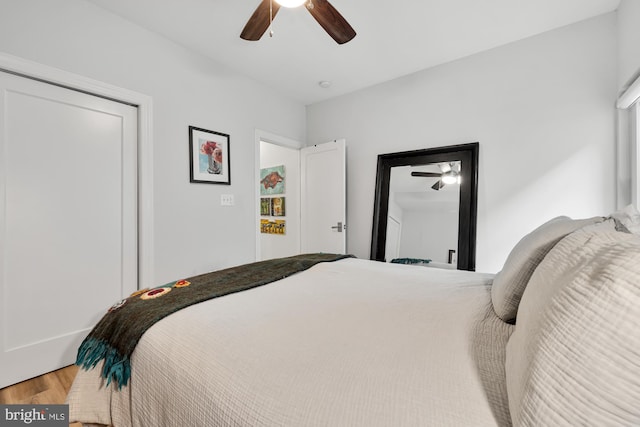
x,y
271,226
209,156
272,180
278,206
265,206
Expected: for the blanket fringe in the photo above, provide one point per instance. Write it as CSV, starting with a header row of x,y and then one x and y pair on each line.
x,y
117,367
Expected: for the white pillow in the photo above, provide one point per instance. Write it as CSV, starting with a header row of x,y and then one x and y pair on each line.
x,y
574,356
510,282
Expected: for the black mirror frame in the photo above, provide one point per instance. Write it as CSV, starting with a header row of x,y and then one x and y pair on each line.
x,y
468,212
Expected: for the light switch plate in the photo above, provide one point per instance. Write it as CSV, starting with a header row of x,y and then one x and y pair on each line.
x,y
226,200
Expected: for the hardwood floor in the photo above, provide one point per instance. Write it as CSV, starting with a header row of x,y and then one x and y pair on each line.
x,y
51,388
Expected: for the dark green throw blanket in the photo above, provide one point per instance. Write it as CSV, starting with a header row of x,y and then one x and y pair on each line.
x,y
116,335
410,261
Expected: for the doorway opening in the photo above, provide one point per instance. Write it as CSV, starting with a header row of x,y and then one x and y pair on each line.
x,y
279,201
277,196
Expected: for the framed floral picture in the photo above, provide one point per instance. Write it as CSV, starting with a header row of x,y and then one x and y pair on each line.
x,y
209,156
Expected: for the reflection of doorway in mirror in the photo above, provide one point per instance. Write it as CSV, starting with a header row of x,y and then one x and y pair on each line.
x,y
394,231
452,256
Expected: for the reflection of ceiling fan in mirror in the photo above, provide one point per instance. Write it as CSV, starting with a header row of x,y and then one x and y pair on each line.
x,y
326,15
450,174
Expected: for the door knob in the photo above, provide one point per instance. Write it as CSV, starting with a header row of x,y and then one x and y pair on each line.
x,y
338,227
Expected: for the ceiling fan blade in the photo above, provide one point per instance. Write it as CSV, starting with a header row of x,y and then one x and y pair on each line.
x,y
438,185
331,20
260,20
427,174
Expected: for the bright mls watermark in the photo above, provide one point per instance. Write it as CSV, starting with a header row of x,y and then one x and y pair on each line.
x,y
34,415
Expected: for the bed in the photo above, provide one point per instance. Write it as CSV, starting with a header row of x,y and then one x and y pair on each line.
x,y
355,342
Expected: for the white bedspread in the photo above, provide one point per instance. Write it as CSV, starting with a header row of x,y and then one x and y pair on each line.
x,y
347,343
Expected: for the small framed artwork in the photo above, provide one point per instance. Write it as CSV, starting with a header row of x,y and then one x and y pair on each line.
x,y
265,206
277,206
272,180
270,226
209,156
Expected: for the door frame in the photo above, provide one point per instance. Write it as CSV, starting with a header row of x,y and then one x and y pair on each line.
x,y
272,138
33,70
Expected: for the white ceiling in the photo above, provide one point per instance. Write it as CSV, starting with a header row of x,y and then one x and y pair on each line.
x,y
415,193
393,38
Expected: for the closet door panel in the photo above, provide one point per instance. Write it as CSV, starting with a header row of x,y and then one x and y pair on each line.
x,y
68,215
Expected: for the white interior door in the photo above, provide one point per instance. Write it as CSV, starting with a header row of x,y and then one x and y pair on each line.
x,y
68,220
323,198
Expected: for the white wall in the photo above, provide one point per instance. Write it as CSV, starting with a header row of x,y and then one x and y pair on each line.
x,y
628,42
276,245
193,233
541,108
429,234
393,209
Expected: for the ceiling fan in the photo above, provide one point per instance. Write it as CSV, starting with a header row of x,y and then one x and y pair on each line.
x,y
450,174
326,15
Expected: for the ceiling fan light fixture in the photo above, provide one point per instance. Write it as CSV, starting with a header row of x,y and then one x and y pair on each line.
x,y
450,177
290,3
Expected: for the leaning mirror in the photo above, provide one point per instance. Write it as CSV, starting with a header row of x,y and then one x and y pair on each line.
x,y
425,207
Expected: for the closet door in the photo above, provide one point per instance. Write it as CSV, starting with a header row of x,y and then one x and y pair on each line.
x,y
68,220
